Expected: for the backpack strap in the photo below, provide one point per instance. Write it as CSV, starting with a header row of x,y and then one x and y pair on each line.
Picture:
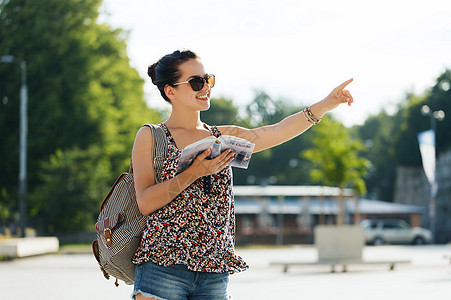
x,y
160,150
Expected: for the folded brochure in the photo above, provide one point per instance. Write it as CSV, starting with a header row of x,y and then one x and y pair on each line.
x,y
242,148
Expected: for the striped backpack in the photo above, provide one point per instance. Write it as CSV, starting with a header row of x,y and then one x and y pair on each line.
x,y
120,223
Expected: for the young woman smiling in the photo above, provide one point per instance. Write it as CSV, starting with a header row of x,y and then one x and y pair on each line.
x,y
187,250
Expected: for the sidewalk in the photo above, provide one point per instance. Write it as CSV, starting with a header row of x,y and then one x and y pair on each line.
x,y
427,277
75,277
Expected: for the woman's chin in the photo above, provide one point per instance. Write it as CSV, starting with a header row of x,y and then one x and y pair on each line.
x,y
205,107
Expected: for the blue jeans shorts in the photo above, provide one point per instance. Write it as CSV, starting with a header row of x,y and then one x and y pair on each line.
x,y
176,282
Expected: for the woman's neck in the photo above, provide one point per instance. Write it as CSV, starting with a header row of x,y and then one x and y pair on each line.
x,y
186,120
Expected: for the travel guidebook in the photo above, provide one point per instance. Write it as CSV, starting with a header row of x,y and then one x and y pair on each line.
x,y
243,150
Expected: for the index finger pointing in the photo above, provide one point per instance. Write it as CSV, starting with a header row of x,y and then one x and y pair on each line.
x,y
344,84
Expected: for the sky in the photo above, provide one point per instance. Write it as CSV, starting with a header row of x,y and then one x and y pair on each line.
x,y
295,50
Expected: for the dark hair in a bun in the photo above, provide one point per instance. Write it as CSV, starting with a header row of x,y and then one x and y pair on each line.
x,y
151,72
166,70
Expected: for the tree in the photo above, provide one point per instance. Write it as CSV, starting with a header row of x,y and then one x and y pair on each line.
x,y
82,91
221,112
73,185
439,99
336,160
413,122
392,139
377,134
263,110
280,165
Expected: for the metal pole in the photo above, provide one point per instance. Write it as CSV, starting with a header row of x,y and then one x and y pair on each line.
x,y
23,148
434,116
433,125
434,184
279,237
22,138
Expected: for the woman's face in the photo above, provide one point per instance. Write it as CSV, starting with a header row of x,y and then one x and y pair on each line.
x,y
184,94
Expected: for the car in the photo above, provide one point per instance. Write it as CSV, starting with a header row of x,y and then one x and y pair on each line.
x,y
394,231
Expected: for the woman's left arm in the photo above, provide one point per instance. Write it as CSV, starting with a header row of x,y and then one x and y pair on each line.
x,y
272,135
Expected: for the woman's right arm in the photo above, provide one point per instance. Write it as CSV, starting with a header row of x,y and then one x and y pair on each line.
x,y
151,196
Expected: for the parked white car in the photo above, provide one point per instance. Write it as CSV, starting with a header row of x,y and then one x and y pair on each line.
x,y
394,231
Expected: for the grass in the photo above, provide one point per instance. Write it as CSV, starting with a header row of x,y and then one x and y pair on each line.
x,y
5,258
75,248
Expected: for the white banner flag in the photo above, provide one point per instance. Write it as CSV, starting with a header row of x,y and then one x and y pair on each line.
x,y
426,139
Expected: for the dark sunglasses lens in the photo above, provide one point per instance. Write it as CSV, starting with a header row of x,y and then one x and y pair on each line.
x,y
197,83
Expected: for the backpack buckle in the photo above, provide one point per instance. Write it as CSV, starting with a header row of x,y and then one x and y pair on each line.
x,y
107,233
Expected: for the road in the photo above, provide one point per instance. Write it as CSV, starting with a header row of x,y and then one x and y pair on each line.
x,y
76,276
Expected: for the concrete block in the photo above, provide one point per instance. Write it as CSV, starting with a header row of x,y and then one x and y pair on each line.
x,y
29,246
339,242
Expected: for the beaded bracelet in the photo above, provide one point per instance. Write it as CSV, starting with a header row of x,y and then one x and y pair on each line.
x,y
309,116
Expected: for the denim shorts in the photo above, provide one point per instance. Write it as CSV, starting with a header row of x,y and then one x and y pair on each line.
x,y
176,282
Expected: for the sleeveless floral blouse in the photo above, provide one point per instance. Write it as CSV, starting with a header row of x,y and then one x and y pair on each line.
x,y
197,228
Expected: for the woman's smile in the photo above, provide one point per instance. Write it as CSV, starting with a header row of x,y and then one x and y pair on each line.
x,y
204,97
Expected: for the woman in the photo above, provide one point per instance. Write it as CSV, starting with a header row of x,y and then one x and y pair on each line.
x,y
187,249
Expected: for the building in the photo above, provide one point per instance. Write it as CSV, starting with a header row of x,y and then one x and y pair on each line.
x,y
287,214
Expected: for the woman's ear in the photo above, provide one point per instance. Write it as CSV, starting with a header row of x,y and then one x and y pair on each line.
x,y
169,91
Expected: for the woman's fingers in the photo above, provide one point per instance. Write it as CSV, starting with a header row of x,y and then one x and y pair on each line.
x,y
339,95
225,158
204,154
344,96
201,162
340,90
222,160
349,99
348,94
215,165
344,84
228,159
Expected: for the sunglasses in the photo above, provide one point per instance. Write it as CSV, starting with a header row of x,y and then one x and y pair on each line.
x,y
197,82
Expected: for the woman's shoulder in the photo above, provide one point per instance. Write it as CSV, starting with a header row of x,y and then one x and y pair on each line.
x,y
144,132
146,129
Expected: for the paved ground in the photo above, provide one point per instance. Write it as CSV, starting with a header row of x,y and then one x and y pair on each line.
x,y
77,276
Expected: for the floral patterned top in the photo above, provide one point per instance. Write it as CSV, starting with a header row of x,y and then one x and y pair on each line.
x,y
197,228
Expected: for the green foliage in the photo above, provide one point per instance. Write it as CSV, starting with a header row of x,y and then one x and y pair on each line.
x,y
73,184
283,164
407,151
437,98
82,90
377,134
86,104
336,157
221,112
4,214
263,110
392,139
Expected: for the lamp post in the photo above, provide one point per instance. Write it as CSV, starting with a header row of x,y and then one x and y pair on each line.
x,y
22,138
434,116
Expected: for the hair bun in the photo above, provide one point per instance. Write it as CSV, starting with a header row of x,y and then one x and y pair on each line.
x,y
152,72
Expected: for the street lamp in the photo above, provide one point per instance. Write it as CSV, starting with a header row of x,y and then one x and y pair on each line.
x,y
23,137
434,116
